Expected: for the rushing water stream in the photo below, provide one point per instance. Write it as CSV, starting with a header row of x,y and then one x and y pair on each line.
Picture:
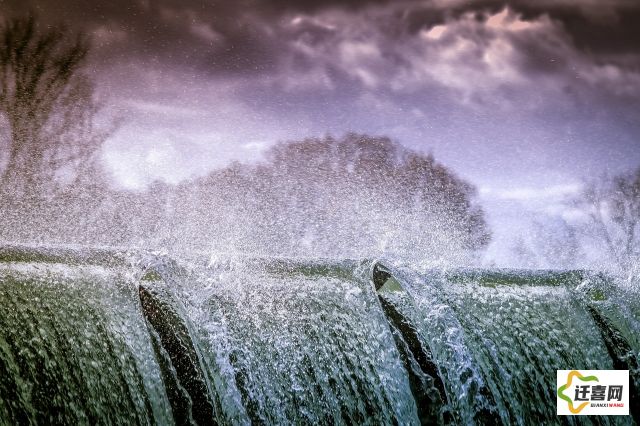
x,y
104,336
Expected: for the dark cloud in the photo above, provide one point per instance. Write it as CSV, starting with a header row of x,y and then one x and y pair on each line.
x,y
449,69
251,36
317,5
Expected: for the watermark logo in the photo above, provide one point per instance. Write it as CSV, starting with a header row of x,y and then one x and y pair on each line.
x,y
592,392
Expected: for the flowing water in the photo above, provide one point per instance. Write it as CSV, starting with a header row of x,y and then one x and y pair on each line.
x,y
117,337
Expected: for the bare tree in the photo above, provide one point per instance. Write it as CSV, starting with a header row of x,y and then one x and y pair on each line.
x,y
613,209
550,243
47,104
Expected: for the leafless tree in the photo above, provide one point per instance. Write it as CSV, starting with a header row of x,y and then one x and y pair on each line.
x,y
550,243
613,208
48,105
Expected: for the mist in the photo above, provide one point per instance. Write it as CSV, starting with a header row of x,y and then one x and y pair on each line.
x,y
517,101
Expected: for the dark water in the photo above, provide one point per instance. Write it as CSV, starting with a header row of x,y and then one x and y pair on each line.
x,y
115,337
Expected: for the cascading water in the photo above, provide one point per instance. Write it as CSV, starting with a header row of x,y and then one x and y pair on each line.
x,y
73,348
101,336
498,337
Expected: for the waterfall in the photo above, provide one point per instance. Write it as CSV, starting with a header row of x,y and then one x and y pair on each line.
x,y
116,336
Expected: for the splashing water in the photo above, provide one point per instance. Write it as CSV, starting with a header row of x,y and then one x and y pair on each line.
x,y
92,336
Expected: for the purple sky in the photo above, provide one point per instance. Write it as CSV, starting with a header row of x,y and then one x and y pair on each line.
x,y
525,99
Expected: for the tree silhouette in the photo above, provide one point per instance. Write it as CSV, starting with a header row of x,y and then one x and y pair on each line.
x,y
612,206
350,197
47,105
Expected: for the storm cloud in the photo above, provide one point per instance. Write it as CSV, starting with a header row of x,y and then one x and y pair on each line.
x,y
518,97
228,76
269,36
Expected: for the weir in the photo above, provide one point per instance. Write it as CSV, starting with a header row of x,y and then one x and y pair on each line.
x,y
125,336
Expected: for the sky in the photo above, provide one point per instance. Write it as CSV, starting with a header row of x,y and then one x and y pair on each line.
x,y
525,99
